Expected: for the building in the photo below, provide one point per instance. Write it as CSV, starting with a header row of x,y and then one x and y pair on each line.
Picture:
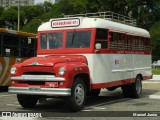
x,y
1,2
22,2
54,1
42,1
9,3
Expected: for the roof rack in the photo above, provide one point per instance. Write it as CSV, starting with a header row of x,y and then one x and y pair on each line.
x,y
108,15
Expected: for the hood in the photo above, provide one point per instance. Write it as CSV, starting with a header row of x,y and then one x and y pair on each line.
x,y
52,60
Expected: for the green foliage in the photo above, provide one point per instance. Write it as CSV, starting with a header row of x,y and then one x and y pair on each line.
x,y
156,71
30,12
1,19
1,10
10,16
155,35
32,26
147,12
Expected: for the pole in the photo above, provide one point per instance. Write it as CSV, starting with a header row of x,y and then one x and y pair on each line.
x,y
18,13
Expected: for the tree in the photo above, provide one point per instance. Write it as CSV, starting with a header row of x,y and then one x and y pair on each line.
x,y
32,26
1,10
1,19
155,35
47,6
30,12
10,17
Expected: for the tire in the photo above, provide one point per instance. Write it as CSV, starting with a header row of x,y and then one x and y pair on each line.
x,y
27,101
94,92
78,95
134,90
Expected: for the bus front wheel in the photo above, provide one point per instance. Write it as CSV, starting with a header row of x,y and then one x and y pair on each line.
x,y
27,101
78,95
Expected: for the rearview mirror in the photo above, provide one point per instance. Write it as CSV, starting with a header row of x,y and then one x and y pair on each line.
x,y
98,46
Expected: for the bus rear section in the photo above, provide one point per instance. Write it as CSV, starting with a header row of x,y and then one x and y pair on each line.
x,y
14,47
79,56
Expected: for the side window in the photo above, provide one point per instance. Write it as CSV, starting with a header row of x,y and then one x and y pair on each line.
x,y
43,41
114,40
129,42
147,43
11,45
102,37
135,42
122,41
55,40
141,43
28,47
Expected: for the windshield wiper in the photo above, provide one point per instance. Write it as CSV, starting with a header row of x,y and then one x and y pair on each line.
x,y
74,33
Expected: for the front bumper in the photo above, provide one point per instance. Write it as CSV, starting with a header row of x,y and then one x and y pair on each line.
x,y
35,90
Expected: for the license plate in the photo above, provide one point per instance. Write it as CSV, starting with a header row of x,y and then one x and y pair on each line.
x,y
34,88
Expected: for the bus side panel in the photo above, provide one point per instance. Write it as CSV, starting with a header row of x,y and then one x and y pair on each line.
x,y
108,70
142,65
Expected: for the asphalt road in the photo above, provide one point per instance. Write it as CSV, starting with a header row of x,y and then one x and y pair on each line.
x,y
109,105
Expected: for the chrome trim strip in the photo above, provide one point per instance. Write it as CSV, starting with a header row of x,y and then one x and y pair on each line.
x,y
130,70
37,78
40,91
144,68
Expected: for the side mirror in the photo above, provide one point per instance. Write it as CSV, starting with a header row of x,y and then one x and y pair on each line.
x,y
98,46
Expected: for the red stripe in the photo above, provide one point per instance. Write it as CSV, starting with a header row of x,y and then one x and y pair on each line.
x,y
112,84
90,51
116,83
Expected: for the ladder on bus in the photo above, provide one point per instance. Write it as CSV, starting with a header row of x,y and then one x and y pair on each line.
x,y
108,15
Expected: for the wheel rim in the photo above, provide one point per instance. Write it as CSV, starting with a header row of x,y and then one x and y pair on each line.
x,y
79,94
138,85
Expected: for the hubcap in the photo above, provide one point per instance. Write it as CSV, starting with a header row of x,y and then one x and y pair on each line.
x,y
79,94
138,86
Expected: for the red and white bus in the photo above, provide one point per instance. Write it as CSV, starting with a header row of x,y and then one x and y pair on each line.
x,y
79,56
14,46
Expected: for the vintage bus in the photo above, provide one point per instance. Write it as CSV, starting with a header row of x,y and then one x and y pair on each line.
x,y
14,46
81,54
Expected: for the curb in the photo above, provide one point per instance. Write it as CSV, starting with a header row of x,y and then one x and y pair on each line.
x,y
156,77
154,96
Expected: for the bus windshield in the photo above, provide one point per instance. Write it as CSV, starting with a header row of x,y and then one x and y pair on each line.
x,y
74,39
78,39
51,40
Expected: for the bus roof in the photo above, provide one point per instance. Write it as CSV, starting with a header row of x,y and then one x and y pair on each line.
x,y
17,32
86,22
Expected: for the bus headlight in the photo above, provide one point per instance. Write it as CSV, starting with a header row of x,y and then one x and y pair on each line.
x,y
62,71
13,70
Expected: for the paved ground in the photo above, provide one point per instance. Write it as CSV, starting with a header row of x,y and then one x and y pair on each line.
x,y
109,105
152,84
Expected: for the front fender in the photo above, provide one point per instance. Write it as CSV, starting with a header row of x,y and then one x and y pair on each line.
x,y
72,69
78,69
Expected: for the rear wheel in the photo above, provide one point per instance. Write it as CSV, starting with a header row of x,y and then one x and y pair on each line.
x,y
27,101
134,90
78,95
